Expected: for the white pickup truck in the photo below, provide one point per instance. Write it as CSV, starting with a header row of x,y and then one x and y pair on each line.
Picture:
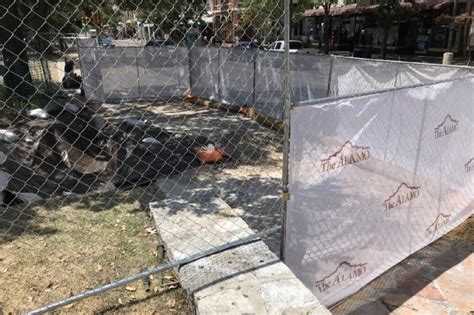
x,y
296,46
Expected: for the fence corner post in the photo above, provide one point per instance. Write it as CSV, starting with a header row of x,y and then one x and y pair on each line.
x,y
255,56
138,73
286,129
331,64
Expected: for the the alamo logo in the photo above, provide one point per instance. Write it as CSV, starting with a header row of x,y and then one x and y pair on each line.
x,y
441,221
403,194
469,166
449,125
347,154
344,272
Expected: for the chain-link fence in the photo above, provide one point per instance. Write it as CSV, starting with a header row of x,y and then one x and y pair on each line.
x,y
398,159
153,124
239,77
91,137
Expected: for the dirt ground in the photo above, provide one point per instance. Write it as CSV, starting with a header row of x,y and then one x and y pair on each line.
x,y
64,246
85,242
250,181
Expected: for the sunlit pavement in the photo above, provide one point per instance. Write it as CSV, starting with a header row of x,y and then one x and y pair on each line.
x,y
439,279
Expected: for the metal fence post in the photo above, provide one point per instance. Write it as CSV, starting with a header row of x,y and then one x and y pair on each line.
x,y
331,62
219,75
138,73
397,73
286,130
190,67
147,272
255,56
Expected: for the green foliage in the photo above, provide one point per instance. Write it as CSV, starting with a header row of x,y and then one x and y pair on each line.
x,y
17,78
325,4
263,19
65,15
389,12
298,10
446,19
166,14
462,19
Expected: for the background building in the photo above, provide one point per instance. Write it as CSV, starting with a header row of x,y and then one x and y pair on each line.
x,y
428,33
226,18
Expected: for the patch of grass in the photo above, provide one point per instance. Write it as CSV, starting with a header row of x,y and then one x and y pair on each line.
x,y
15,103
90,241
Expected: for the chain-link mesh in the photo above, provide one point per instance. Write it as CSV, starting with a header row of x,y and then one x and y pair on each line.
x,y
105,110
398,160
130,124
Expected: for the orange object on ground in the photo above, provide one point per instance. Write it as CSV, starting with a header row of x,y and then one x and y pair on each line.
x,y
189,96
210,156
244,110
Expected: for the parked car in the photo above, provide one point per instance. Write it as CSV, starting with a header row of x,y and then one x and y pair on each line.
x,y
92,33
158,42
247,45
155,42
105,41
362,51
296,46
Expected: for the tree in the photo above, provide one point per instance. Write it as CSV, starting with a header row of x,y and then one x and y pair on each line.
x,y
64,16
388,13
34,16
326,5
297,11
167,15
17,78
263,19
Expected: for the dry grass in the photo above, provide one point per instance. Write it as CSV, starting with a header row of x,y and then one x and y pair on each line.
x,y
68,245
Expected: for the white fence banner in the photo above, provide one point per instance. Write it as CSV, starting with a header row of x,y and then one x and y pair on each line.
x,y
163,72
237,71
352,76
374,179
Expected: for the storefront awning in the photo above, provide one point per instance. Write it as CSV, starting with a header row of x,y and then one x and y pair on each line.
x,y
433,4
354,9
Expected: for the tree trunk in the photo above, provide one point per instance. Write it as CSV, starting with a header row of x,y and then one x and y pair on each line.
x,y
326,34
383,51
36,14
17,78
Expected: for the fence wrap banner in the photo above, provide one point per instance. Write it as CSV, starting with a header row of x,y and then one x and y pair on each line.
x,y
237,76
375,178
243,77
162,71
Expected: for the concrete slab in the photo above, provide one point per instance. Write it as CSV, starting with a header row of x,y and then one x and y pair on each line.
x,y
249,279
249,181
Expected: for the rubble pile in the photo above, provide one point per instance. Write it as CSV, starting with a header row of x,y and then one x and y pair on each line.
x,y
66,149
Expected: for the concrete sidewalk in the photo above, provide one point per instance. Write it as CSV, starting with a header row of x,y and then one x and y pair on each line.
x,y
438,279
247,279
458,61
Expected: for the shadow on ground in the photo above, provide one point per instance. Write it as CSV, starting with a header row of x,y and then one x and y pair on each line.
x,y
23,219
